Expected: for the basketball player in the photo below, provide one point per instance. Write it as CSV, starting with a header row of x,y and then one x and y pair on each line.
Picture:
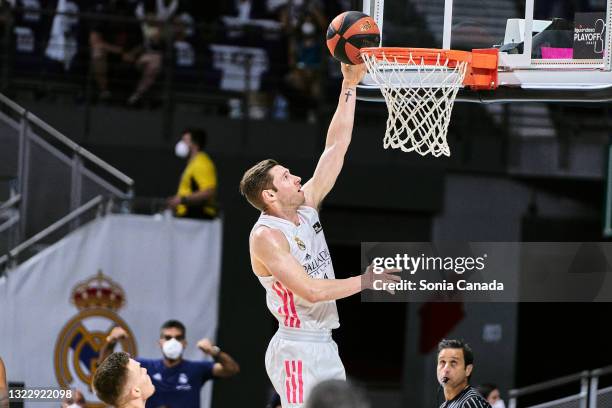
x,y
455,365
290,257
4,402
121,382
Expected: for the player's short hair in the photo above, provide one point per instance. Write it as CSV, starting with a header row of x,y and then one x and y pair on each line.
x,y
198,136
336,394
174,324
468,355
255,180
111,376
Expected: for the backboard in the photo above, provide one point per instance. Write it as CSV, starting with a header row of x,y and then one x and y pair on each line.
x,y
550,50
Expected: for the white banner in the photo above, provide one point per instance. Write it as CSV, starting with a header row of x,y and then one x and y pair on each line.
x,y
135,271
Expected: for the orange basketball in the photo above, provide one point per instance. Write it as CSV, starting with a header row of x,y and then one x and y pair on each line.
x,y
349,32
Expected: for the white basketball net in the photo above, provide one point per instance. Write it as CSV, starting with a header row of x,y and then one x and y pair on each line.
x,y
419,99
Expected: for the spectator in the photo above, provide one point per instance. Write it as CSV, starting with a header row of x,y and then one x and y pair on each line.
x,y
336,394
491,393
121,382
63,45
29,34
197,191
455,366
148,57
178,381
305,62
109,39
76,401
3,386
184,50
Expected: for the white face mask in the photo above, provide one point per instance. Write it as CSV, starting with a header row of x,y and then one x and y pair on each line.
x,y
74,406
172,349
308,28
499,404
181,149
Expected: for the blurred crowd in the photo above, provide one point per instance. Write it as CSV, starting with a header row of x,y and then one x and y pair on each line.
x,y
124,50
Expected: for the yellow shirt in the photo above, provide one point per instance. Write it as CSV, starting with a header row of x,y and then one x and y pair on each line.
x,y
199,175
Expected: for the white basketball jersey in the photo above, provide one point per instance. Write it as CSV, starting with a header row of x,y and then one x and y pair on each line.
x,y
308,246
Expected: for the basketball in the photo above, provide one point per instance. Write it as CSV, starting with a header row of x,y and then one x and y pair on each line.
x,y
349,32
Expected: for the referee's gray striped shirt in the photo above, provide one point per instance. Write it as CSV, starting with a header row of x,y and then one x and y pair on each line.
x,y
468,398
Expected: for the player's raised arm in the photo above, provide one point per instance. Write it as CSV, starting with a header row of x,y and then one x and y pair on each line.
x,y
338,138
270,247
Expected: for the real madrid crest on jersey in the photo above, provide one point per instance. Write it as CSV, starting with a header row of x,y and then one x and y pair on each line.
x,y
80,340
300,243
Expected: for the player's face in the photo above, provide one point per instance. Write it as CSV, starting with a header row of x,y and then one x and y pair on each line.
x,y
452,366
288,187
139,380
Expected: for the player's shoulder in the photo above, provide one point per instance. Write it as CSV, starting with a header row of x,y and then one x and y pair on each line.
x,y
309,208
264,235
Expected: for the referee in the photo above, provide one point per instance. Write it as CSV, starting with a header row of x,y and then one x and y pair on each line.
x,y
455,365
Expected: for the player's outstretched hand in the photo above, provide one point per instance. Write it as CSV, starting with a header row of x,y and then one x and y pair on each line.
x,y
353,74
387,276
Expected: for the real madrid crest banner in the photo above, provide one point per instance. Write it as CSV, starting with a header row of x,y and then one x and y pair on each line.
x,y
136,272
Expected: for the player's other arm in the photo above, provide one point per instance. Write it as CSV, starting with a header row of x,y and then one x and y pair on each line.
x,y
270,247
338,138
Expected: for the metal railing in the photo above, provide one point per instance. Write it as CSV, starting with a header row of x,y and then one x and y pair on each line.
x,y
589,395
12,257
600,397
33,132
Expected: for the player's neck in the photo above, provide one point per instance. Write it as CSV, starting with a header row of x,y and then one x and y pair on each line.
x,y
452,392
289,214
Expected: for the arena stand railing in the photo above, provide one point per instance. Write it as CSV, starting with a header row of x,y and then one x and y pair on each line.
x,y
586,389
58,184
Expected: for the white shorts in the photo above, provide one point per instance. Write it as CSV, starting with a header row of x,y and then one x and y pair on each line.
x,y
298,359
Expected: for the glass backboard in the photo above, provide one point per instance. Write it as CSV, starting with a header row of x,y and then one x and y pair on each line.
x,y
549,49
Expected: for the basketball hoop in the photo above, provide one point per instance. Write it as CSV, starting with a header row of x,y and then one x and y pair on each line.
x,y
420,85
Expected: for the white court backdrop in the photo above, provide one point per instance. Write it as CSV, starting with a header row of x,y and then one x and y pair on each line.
x,y
135,271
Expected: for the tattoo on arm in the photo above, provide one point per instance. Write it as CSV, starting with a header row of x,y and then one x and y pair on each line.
x,y
348,94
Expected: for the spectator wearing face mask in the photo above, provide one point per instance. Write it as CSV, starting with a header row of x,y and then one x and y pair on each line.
x,y
491,394
177,381
305,61
197,190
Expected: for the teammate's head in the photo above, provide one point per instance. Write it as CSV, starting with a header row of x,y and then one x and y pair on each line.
x,y
336,394
121,381
172,339
455,363
268,184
